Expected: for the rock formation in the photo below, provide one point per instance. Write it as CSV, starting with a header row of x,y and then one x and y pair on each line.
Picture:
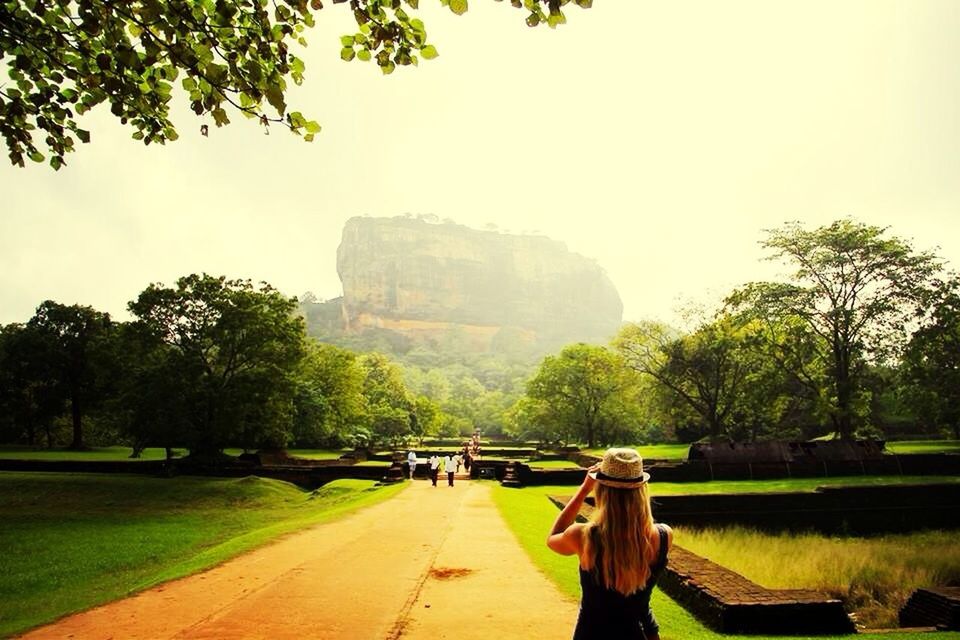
x,y
423,279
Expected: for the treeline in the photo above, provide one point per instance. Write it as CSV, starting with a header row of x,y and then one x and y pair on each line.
x,y
207,364
862,340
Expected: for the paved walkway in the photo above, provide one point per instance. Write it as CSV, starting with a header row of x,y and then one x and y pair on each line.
x,y
430,563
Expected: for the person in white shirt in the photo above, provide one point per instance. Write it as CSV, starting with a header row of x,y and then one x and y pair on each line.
x,y
412,462
434,468
450,466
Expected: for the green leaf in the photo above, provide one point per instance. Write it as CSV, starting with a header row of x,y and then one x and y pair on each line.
x,y
83,135
347,54
459,7
364,54
346,41
308,137
36,156
313,127
429,52
189,84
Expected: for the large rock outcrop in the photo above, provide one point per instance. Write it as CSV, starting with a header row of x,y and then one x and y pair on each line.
x,y
420,279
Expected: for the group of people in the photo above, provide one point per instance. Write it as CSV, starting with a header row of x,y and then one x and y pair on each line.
x,y
622,552
450,463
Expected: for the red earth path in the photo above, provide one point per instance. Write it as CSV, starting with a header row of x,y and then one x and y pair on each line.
x,y
430,563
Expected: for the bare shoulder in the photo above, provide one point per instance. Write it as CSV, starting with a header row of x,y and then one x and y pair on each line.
x,y
568,541
669,533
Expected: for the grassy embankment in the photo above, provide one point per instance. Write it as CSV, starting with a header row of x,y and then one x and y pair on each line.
x,y
72,541
529,515
924,446
670,451
13,452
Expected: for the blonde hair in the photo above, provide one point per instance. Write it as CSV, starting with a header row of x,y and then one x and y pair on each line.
x,y
620,532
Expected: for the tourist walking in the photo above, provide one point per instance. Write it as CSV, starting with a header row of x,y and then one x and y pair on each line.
x,y
622,552
412,462
434,468
450,466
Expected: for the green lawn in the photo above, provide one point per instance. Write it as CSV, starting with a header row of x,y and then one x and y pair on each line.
x,y
652,451
924,446
787,484
767,486
553,464
72,541
529,515
13,452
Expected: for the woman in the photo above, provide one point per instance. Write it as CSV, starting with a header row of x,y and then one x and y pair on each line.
x,y
621,550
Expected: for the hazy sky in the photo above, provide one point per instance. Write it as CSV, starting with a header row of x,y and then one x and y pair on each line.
x,y
659,138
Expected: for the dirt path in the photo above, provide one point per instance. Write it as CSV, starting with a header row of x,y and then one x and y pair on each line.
x,y
429,563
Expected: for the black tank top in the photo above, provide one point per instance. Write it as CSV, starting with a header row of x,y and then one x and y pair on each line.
x,y
607,614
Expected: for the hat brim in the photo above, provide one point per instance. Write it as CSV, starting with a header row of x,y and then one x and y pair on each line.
x,y
618,483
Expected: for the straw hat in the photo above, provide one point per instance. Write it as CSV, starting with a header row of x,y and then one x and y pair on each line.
x,y
622,469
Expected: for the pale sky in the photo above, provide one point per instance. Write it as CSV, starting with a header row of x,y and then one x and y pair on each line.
x,y
658,138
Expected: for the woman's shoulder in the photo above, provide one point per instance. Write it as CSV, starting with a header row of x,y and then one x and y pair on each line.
x,y
665,528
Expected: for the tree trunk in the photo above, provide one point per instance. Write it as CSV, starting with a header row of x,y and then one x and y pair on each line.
x,y
77,442
844,421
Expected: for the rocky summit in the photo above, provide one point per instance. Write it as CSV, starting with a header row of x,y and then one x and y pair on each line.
x,y
422,279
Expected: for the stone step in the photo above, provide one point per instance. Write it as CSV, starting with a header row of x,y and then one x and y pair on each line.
x,y
937,606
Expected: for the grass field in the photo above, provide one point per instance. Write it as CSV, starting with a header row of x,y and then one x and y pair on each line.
x,y
924,446
529,515
652,451
789,484
766,486
553,464
71,541
873,576
13,452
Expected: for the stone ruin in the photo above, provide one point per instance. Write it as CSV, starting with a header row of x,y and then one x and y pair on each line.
x,y
767,452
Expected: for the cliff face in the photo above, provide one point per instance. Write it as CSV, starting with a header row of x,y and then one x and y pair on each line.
x,y
418,278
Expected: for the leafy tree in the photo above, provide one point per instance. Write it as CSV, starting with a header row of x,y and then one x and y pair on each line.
x,y
429,419
390,409
588,388
30,389
709,373
64,58
72,336
931,363
233,350
329,401
854,289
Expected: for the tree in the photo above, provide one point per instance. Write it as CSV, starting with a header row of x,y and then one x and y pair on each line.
x,y
709,374
429,419
390,409
931,363
233,350
329,401
853,288
74,334
65,58
588,388
30,389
